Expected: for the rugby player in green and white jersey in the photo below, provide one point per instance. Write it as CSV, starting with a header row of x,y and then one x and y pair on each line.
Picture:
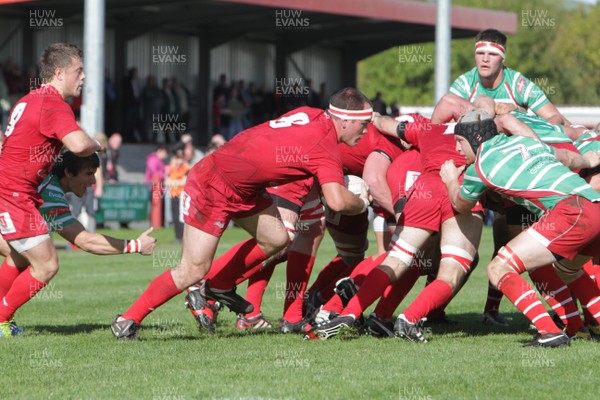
x,y
567,234
509,88
71,174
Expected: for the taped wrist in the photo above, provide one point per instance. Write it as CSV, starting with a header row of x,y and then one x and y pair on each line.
x,y
132,246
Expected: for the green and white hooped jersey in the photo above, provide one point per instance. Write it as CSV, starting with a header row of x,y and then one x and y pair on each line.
x,y
514,89
526,172
547,132
55,210
589,141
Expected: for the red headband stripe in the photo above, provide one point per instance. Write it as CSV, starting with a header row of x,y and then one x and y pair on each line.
x,y
491,47
366,114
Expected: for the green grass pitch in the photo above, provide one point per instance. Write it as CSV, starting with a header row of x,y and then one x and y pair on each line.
x,y
68,351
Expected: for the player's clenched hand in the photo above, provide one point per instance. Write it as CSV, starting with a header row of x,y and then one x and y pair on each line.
x,y
449,172
148,242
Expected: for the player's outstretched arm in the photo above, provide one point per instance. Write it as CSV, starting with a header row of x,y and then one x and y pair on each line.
x,y
551,114
99,244
81,144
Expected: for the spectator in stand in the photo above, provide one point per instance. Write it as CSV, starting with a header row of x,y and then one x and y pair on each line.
x,y
378,104
191,154
175,182
236,112
220,115
221,88
183,97
152,104
110,103
155,165
131,107
114,146
312,99
217,140
170,110
155,177
323,96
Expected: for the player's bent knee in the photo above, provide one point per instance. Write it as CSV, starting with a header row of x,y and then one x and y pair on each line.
x,y
511,259
458,256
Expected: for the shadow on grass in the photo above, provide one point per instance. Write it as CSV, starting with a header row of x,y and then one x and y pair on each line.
x,y
66,329
471,324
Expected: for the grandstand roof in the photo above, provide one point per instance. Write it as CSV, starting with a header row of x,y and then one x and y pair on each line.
x,y
368,27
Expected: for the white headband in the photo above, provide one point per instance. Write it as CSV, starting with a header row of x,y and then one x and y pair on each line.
x,y
491,47
364,115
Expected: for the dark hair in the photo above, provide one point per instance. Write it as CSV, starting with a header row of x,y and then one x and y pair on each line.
x,y
492,35
349,99
57,55
178,149
67,160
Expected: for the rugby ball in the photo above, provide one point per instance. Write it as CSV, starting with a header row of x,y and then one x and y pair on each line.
x,y
355,184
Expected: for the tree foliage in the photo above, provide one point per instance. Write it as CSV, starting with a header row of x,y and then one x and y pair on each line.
x,y
556,46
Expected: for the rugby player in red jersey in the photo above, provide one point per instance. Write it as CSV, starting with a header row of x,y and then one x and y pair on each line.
x,y
230,185
39,125
426,212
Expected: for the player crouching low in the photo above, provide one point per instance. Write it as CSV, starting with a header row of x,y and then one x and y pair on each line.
x,y
567,234
71,174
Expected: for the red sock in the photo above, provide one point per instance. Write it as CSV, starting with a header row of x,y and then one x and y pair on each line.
x,y
328,273
558,296
594,273
434,295
161,289
365,267
8,274
395,293
263,266
372,288
358,275
494,297
522,295
588,294
299,267
334,304
256,288
24,287
226,269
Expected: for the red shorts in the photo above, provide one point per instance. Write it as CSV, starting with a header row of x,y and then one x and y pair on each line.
x,y
428,205
210,203
403,172
20,218
294,192
570,228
